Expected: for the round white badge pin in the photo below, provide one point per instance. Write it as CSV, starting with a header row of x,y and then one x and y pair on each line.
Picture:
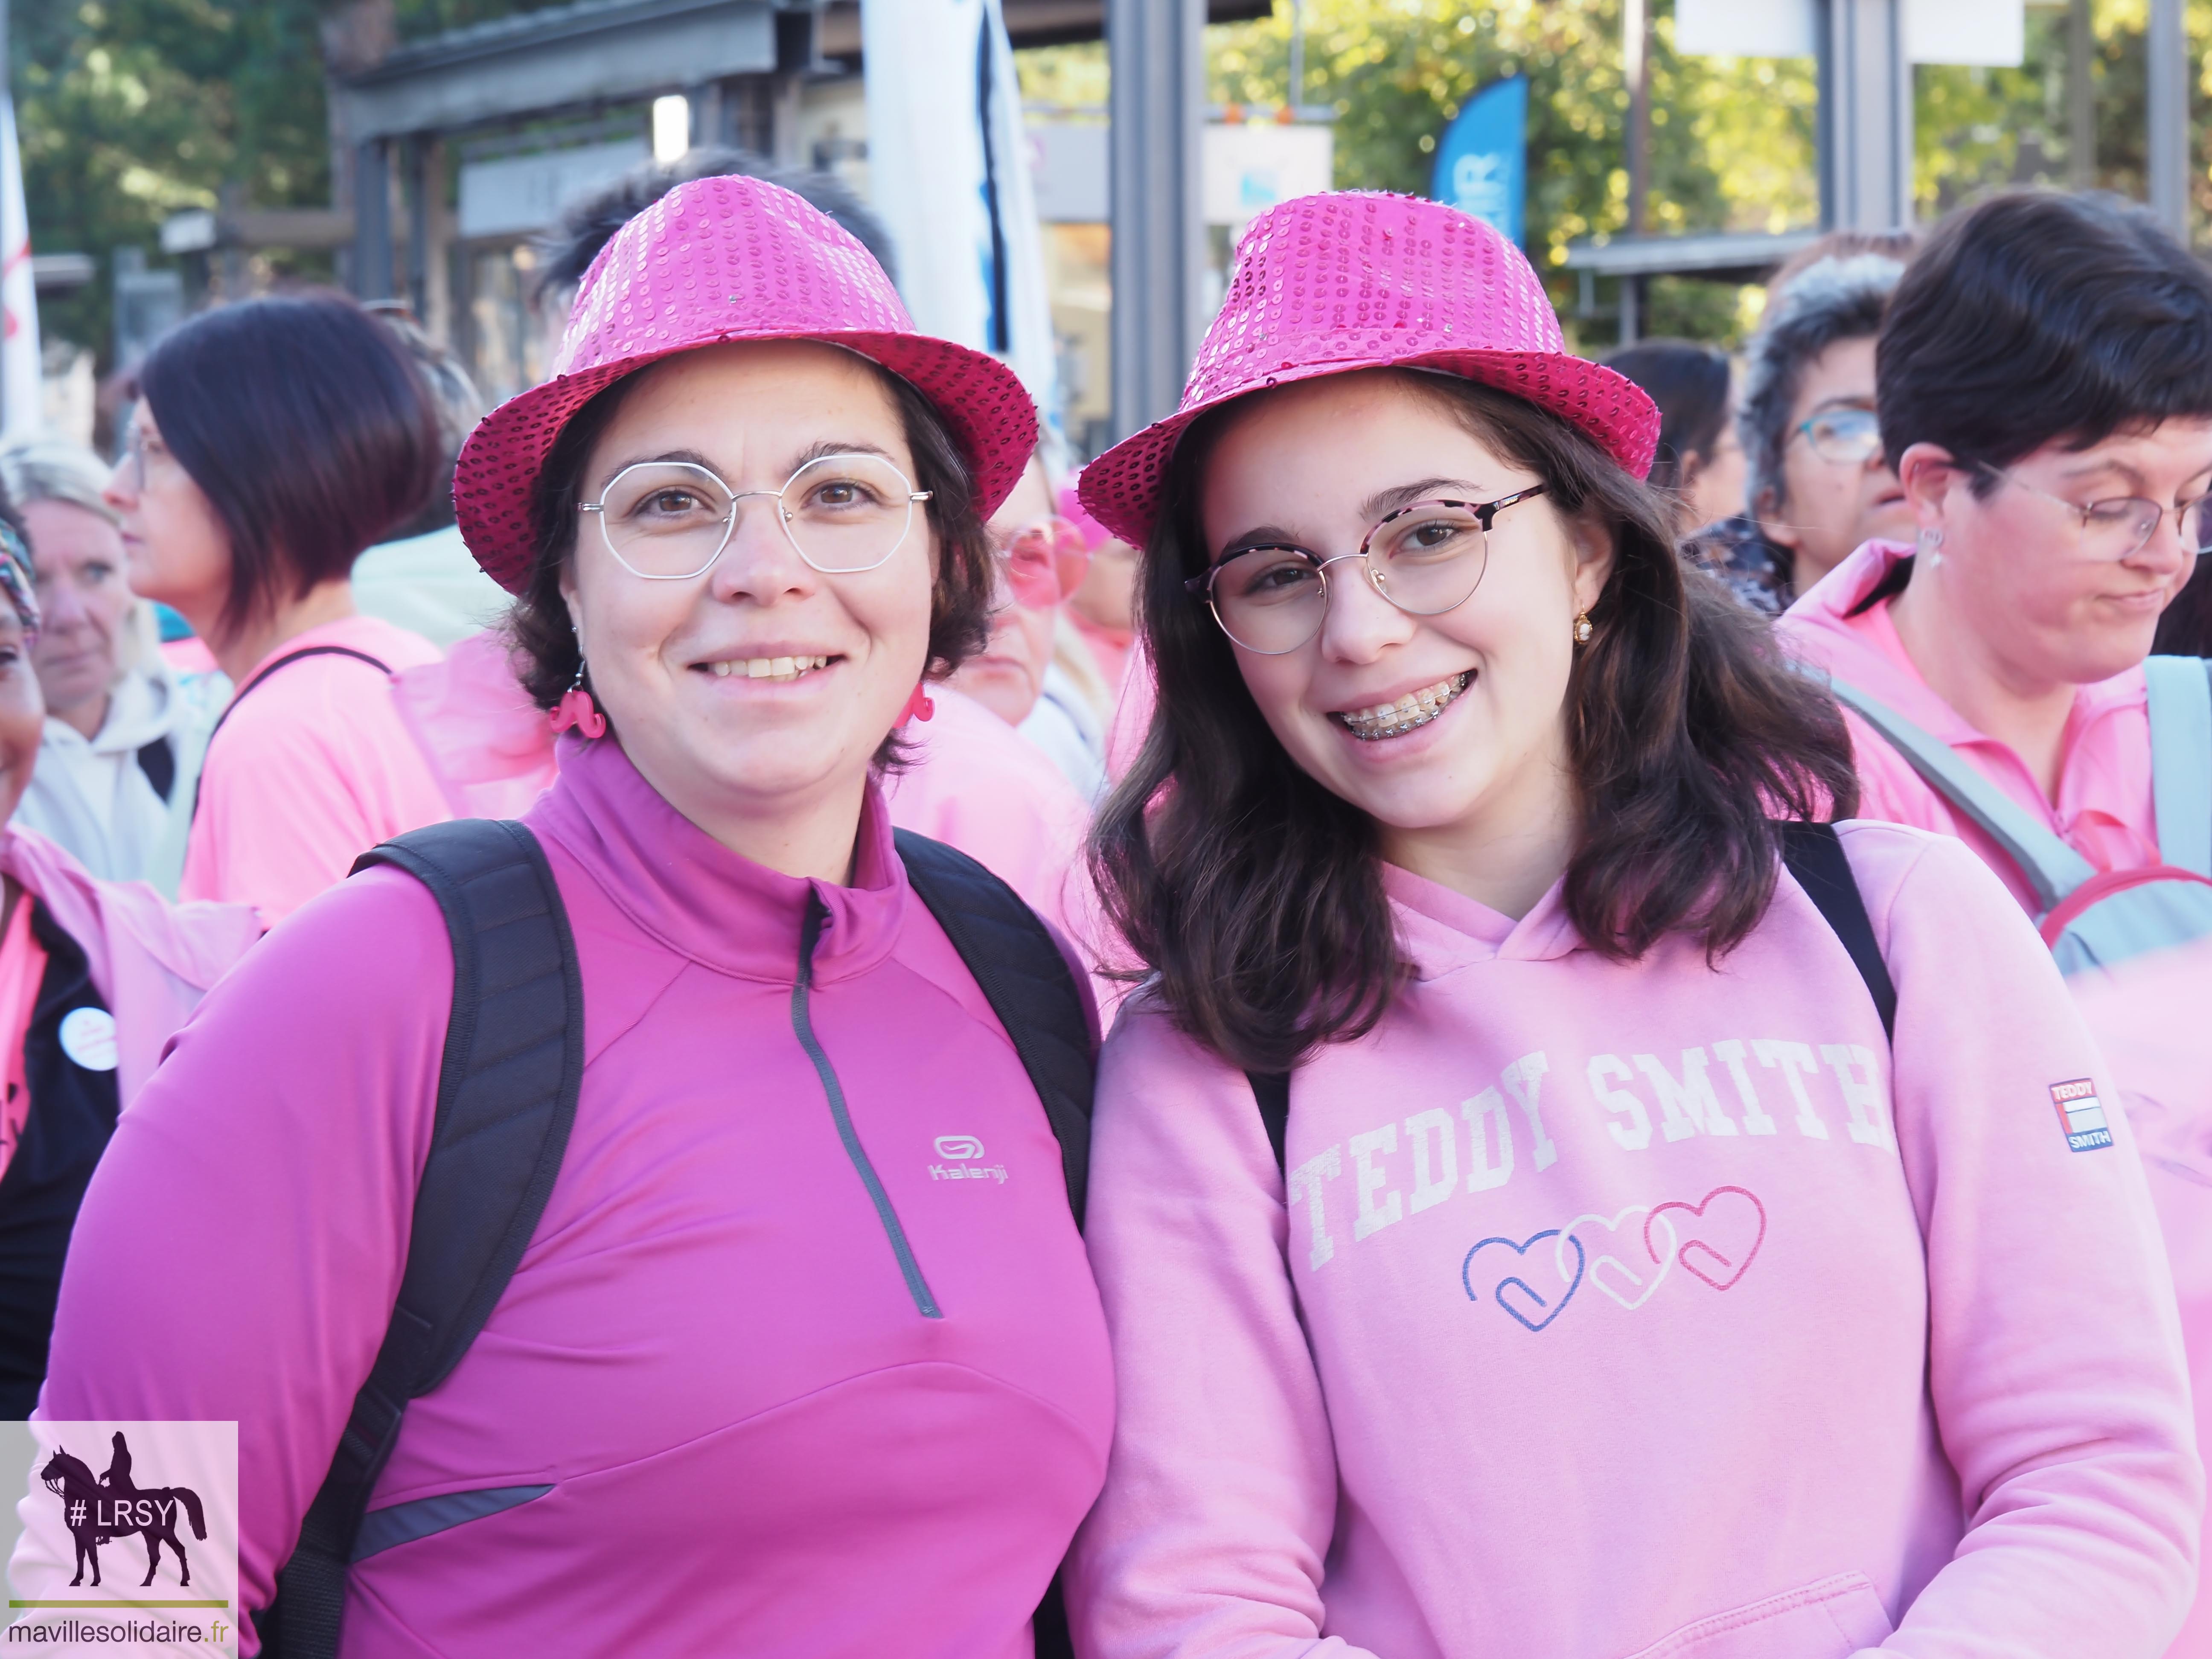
x,y
89,1038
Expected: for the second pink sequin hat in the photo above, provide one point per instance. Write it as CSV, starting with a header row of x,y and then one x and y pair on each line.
x,y
1357,279
713,260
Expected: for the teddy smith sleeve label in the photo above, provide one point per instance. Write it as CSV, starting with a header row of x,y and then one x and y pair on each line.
x,y
126,1539
2081,1115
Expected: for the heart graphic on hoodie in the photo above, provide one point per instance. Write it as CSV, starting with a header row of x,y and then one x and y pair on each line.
x,y
1731,1224
1529,1296
1628,1278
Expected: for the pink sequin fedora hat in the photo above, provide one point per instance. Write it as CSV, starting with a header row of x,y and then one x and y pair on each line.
x,y
1357,279
718,259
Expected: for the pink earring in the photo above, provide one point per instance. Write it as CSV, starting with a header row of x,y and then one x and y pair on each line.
x,y
918,707
577,710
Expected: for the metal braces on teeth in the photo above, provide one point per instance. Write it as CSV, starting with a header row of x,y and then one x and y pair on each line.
x,y
1421,715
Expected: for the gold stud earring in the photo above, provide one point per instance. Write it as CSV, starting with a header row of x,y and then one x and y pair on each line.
x,y
1582,629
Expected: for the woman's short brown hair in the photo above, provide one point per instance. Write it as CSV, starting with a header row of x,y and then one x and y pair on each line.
x,y
1256,895
960,589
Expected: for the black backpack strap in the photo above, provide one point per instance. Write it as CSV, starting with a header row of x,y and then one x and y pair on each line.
x,y
1272,1090
1814,854
1018,967
507,1097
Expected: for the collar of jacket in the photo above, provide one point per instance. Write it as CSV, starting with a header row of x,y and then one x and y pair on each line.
x,y
700,900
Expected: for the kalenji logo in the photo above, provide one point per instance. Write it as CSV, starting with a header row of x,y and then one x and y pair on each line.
x,y
960,1152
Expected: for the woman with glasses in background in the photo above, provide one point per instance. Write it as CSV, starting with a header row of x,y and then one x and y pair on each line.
x,y
1817,485
274,439
804,1358
2047,402
974,777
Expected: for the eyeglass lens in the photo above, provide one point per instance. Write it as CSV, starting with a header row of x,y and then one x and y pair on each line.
x,y
2116,529
843,513
1846,436
1425,560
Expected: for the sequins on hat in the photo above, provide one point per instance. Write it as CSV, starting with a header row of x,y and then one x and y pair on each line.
x,y
1357,279
714,260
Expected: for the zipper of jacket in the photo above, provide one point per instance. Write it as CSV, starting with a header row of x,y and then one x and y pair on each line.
x,y
810,931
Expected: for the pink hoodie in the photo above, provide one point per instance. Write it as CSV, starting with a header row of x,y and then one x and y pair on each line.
x,y
761,1424
1646,1310
2104,810
311,769
2147,1017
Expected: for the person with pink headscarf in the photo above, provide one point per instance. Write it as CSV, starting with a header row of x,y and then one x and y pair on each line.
x,y
804,1356
1556,1194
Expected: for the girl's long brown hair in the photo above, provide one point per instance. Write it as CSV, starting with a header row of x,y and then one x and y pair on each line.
x,y
1255,895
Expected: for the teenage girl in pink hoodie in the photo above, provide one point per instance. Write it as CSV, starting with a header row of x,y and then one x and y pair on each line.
x,y
1622,1287
803,1359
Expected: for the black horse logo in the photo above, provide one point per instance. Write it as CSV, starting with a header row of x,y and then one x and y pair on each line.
x,y
98,1511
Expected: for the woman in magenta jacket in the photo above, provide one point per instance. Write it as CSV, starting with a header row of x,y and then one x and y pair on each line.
x,y
765,1381
1619,1287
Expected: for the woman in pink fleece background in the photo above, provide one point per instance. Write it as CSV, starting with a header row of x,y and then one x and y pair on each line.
x,y
1637,1273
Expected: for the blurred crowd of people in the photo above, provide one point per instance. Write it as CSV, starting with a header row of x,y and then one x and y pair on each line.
x,y
1900,562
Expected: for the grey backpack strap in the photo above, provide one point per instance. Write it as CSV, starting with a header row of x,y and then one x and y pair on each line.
x,y
2180,691
507,1084
2052,868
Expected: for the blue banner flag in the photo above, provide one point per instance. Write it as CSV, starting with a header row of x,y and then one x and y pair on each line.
x,y
1482,160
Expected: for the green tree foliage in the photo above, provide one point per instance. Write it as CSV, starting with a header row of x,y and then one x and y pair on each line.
x,y
130,110
1731,139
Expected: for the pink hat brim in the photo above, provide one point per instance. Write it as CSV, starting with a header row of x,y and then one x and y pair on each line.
x,y
1121,488
980,400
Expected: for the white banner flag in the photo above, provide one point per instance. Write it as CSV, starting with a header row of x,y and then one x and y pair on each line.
x,y
22,383
949,175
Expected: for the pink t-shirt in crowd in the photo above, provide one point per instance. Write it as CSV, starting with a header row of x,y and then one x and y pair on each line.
x,y
311,769
2104,809
1653,1310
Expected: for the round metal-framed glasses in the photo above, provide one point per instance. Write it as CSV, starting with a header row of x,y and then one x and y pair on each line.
x,y
668,521
2120,526
1426,558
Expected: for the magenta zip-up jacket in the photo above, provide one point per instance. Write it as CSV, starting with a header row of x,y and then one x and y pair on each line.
x,y
1657,1309
772,1411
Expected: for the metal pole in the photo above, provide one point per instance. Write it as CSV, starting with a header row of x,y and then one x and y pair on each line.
x,y
1156,58
1866,116
2081,98
1635,37
372,218
1297,54
2167,52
